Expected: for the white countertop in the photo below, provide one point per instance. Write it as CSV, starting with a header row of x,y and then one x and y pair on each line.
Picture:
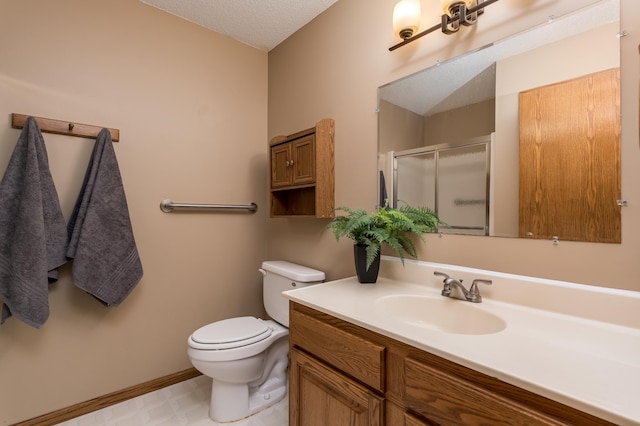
x,y
588,364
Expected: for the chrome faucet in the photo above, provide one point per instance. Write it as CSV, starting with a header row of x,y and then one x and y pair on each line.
x,y
471,295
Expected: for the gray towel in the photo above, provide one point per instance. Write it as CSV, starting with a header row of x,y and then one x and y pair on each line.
x,y
33,235
101,243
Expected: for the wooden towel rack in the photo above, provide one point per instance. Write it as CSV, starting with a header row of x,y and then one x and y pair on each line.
x,y
61,127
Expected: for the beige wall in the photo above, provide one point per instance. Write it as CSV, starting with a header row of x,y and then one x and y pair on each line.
x,y
191,107
447,127
399,129
332,68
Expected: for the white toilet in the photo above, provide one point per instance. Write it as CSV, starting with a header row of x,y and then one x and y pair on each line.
x,y
248,357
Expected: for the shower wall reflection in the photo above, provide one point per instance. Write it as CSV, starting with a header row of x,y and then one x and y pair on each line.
x,y
453,180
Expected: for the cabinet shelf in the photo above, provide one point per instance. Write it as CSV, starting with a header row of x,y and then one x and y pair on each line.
x,y
294,202
289,188
302,173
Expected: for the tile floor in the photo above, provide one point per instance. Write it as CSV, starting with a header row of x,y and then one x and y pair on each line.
x,y
185,403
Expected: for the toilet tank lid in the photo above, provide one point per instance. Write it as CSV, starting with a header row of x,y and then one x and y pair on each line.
x,y
293,271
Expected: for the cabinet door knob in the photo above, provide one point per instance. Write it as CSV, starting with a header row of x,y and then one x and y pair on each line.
x,y
291,163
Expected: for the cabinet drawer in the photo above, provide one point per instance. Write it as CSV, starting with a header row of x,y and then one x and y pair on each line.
x,y
447,399
353,355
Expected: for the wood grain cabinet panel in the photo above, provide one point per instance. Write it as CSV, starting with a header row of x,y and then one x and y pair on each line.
x,y
410,420
570,177
321,397
446,399
396,415
303,160
280,170
353,355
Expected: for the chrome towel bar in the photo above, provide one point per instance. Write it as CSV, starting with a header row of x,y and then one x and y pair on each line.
x,y
168,206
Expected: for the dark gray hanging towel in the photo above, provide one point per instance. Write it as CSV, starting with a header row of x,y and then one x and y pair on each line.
x,y
101,243
33,237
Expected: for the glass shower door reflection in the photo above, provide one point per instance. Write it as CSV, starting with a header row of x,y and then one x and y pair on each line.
x,y
462,189
415,180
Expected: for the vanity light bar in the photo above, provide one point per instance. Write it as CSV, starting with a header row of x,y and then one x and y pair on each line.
x,y
451,24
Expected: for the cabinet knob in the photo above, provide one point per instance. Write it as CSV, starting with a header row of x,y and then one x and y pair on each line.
x,y
289,163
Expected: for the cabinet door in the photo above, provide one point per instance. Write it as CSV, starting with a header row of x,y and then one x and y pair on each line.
x,y
303,158
281,165
320,396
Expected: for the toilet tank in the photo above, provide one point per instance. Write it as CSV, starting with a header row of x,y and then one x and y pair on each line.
x,y
281,276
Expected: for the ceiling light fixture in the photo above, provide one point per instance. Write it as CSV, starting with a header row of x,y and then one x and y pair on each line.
x,y
406,16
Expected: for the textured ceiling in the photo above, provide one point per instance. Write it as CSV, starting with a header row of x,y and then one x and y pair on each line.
x,y
262,24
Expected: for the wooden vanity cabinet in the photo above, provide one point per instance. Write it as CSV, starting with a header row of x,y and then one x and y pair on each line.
x,y
325,397
343,374
302,178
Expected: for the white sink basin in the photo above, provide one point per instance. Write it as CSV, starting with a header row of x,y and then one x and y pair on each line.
x,y
441,313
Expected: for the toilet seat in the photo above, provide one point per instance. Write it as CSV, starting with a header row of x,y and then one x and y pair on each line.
x,y
231,333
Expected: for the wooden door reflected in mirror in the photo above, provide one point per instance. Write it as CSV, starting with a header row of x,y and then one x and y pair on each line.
x,y
570,160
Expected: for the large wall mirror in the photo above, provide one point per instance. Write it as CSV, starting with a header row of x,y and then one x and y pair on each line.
x,y
517,139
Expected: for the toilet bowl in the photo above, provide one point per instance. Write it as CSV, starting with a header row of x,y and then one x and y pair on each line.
x,y
247,357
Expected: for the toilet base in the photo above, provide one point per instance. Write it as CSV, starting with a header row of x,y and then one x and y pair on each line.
x,y
235,401
232,402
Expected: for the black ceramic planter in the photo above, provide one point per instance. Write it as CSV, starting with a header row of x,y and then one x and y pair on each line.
x,y
365,276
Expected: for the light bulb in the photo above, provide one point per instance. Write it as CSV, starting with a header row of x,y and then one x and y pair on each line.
x,y
406,18
448,5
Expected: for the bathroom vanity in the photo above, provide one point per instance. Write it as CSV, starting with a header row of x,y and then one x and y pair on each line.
x,y
398,353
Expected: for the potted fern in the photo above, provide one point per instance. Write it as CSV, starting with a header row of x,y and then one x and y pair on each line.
x,y
392,226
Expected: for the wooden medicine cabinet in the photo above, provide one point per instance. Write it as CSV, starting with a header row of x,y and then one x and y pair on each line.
x,y
302,180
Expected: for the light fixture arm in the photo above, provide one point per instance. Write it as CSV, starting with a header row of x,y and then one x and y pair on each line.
x,y
451,24
461,16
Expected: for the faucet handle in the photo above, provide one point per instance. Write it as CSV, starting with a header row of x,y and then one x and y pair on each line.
x,y
446,291
474,293
442,274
